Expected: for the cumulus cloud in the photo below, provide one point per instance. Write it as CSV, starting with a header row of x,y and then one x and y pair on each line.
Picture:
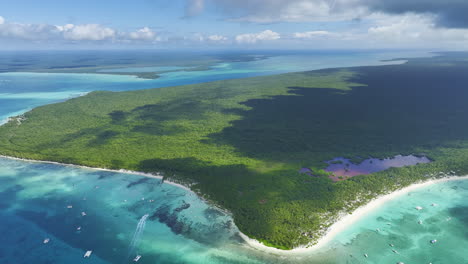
x,y
313,34
28,31
217,38
446,13
93,32
409,30
145,34
414,28
71,33
256,37
266,11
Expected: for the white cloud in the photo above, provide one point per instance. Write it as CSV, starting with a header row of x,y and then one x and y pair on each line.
x,y
268,11
413,28
65,27
217,38
2,20
313,34
145,34
255,37
28,31
92,32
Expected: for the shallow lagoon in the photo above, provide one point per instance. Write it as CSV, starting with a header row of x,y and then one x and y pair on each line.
x,y
22,91
344,168
34,201
397,223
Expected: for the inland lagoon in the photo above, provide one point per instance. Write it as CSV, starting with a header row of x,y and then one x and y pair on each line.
x,y
344,168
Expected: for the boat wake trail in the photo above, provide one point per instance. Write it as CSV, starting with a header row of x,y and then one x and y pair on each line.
x,y
137,235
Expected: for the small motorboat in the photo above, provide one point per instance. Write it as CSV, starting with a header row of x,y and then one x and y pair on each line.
x,y
88,254
419,208
433,241
78,228
47,240
69,206
434,204
365,255
394,251
83,213
391,245
420,222
137,258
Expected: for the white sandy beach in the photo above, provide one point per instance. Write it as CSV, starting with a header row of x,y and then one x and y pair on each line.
x,y
349,219
149,175
342,224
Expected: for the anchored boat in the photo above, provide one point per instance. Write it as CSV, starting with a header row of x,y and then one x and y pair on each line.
x,y
88,254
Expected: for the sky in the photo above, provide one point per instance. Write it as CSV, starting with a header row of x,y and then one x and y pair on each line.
x,y
234,24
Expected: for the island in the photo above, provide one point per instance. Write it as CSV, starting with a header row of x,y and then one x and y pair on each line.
x,y
258,147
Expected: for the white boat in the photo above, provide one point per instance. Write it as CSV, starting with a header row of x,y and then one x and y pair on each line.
x,y
88,254
83,213
78,228
391,245
69,206
420,222
433,241
365,255
419,208
434,204
47,240
137,258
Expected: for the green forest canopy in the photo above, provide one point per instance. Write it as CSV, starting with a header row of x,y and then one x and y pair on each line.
x,y
240,143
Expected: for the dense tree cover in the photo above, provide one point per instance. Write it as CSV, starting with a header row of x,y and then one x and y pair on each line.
x,y
241,143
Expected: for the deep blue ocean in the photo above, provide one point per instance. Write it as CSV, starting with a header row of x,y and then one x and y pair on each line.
x,y
119,215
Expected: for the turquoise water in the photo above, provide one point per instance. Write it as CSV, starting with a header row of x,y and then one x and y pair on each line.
x,y
20,92
398,223
181,228
145,69
34,198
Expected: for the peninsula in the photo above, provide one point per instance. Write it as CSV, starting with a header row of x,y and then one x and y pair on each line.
x,y
243,144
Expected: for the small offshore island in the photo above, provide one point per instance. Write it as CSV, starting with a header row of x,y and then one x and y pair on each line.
x,y
241,143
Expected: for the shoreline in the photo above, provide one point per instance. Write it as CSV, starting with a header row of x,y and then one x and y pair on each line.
x,y
345,220
148,175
